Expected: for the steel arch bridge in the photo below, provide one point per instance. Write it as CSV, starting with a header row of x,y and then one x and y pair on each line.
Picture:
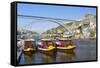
x,y
54,20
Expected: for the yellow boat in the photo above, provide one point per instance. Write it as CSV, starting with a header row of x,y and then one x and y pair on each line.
x,y
29,45
65,45
48,51
68,47
29,49
47,47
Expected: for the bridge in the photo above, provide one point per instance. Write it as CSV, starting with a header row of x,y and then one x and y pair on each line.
x,y
54,20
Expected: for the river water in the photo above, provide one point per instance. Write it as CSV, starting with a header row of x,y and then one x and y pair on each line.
x,y
85,51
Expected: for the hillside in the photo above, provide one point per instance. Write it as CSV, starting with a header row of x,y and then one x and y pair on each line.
x,y
84,28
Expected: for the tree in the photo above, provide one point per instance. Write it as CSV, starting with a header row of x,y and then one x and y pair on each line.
x,y
88,16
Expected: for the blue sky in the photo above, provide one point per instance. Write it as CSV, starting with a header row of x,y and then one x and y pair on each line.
x,y
63,12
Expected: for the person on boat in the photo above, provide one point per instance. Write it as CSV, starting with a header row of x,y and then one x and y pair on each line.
x,y
42,45
31,46
60,44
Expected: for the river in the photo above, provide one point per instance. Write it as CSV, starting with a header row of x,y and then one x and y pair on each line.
x,y
85,51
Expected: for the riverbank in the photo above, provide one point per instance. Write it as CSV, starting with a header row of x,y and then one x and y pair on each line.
x,y
84,38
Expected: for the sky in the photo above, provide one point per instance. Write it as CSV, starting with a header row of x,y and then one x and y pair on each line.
x,y
63,12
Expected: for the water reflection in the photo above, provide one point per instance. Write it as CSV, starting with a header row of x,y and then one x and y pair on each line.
x,y
65,56
29,57
48,58
52,57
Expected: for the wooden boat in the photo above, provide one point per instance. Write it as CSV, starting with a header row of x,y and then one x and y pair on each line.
x,y
65,45
46,46
29,45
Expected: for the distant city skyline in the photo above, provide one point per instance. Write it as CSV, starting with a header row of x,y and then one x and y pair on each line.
x,y
63,12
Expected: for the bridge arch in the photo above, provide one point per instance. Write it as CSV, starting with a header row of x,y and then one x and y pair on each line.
x,y
57,21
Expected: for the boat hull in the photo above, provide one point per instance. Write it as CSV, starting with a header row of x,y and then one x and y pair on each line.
x,y
46,51
65,49
29,50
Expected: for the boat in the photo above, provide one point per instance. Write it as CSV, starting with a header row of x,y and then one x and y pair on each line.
x,y
46,46
29,45
64,45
